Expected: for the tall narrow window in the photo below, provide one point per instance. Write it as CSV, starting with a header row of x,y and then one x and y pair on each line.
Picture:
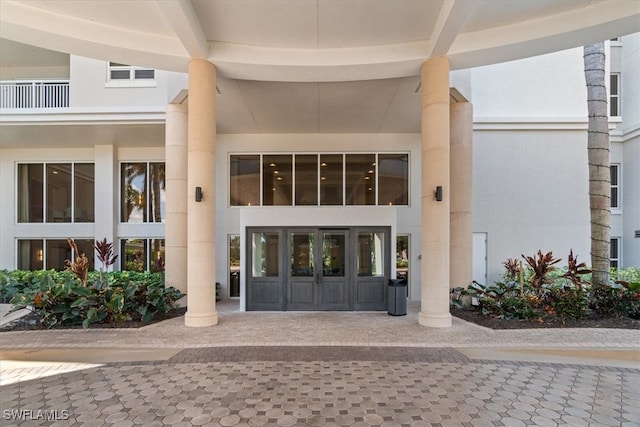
x,y
142,193
393,178
615,186
30,255
30,193
306,174
58,192
331,182
156,192
361,179
133,192
614,257
234,266
614,95
84,192
244,180
277,180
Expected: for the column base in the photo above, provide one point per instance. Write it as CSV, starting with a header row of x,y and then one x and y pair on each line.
x,y
435,320
200,320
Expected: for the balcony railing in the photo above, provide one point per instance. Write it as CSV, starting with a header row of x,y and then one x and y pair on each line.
x,y
34,94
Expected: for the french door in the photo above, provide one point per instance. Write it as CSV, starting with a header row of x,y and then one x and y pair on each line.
x,y
297,268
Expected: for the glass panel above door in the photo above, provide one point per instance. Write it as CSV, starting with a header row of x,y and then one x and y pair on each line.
x,y
276,180
306,179
361,179
370,254
331,183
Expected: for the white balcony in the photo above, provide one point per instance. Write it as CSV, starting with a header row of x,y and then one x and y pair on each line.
x,y
33,94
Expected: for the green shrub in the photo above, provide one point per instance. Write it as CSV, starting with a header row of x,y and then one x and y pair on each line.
x,y
616,301
60,299
568,302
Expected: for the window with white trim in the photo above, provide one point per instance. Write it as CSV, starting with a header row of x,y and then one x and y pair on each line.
x,y
55,192
51,254
615,186
614,95
614,252
123,75
142,254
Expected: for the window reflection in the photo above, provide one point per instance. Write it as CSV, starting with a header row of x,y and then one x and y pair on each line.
x,y
393,178
244,180
30,193
331,184
265,254
361,179
276,181
333,254
84,192
306,175
134,180
302,263
370,254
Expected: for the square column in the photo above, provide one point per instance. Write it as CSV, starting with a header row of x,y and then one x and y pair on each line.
x,y
461,269
175,269
201,214
434,310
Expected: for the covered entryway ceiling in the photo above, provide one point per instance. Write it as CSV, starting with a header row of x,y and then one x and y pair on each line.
x,y
307,66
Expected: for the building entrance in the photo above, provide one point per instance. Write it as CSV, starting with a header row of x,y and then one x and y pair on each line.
x,y
297,268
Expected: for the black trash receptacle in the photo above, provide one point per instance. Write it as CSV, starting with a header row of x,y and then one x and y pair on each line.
x,y
397,297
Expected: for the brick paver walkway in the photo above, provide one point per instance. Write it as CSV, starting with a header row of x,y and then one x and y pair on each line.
x,y
337,369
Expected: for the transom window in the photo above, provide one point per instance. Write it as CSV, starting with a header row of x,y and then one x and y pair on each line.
x,y
319,179
56,192
142,192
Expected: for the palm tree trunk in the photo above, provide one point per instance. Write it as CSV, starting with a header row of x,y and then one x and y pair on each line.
x,y
599,164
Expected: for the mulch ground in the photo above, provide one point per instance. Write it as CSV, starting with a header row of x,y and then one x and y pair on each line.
x,y
590,321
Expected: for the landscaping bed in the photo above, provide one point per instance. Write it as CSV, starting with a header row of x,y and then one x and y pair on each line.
x,y
591,320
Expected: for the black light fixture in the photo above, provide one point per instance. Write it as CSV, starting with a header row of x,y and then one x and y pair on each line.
x,y
198,194
438,193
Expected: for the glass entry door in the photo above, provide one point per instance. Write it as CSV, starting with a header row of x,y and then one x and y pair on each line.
x,y
296,268
318,270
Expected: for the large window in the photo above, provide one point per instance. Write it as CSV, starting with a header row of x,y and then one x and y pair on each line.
x,y
319,179
142,192
142,255
56,192
48,254
615,186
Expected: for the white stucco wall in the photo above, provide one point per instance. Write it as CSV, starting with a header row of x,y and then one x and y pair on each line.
x,y
547,86
530,193
631,203
89,87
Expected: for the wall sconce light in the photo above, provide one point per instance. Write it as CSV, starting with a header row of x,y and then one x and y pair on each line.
x,y
198,194
438,193
39,255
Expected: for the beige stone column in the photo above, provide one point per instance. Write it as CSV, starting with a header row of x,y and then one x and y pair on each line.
x,y
175,266
434,310
201,219
461,270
